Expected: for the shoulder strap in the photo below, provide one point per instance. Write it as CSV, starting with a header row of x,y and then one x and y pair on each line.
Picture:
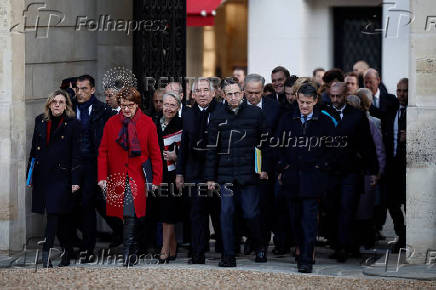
x,y
330,116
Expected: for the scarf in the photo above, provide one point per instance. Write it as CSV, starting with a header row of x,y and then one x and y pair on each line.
x,y
53,124
84,111
127,137
201,138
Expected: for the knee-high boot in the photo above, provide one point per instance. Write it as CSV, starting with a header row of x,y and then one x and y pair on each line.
x,y
129,242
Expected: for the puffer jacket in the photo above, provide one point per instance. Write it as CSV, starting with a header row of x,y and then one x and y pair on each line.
x,y
232,138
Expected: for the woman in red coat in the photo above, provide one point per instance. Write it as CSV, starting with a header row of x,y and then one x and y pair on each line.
x,y
129,140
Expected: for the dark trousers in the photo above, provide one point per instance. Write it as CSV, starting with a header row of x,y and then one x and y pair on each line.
x,y
248,199
115,223
342,200
84,212
202,204
57,224
267,188
304,223
281,229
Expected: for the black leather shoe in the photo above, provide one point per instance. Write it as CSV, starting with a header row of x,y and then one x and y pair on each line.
x,y
227,261
201,259
261,257
65,260
305,268
341,256
46,262
280,251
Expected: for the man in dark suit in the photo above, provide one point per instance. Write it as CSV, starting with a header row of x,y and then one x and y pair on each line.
x,y
190,168
303,170
356,156
278,77
253,88
396,187
92,115
384,107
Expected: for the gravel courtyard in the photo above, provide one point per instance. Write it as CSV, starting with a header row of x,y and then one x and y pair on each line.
x,y
160,277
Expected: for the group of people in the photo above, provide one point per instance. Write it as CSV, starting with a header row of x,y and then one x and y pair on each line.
x,y
316,156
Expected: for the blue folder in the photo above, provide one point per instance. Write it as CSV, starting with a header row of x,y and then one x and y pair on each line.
x,y
29,174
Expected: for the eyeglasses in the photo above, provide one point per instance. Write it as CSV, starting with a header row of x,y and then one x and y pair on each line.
x,y
172,106
59,103
130,106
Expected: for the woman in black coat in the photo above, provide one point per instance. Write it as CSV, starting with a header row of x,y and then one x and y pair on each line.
x,y
55,170
168,204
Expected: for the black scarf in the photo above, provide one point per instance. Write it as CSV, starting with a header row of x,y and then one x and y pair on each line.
x,y
201,140
84,111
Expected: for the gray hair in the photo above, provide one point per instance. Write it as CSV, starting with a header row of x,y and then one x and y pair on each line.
x,y
180,91
174,96
202,79
366,92
254,78
354,101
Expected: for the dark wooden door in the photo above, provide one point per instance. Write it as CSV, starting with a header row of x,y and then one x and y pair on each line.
x,y
159,50
357,36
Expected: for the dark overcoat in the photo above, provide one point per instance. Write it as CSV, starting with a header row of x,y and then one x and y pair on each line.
x,y
56,165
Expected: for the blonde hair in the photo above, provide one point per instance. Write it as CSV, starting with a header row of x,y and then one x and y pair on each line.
x,y
301,81
69,105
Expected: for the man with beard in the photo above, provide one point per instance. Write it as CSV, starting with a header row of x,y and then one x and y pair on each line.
x,y
355,156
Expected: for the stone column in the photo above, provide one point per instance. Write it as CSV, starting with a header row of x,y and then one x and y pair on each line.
x,y
12,128
421,132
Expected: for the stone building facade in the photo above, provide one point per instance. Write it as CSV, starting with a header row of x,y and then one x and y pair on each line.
x,y
33,62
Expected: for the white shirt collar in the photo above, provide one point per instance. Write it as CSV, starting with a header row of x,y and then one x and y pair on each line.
x,y
180,111
258,104
341,109
201,108
377,94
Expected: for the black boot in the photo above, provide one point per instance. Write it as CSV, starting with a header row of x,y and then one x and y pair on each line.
x,y
65,260
129,242
46,263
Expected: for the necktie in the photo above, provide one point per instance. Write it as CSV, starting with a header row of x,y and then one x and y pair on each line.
x,y
341,114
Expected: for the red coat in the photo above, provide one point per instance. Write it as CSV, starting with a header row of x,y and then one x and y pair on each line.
x,y
114,163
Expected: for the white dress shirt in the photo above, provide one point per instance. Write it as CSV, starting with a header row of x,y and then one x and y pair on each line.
x,y
376,101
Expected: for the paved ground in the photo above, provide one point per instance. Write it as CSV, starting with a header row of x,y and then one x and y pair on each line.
x,y
174,277
279,272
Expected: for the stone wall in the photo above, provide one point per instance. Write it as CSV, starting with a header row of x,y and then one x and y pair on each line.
x,y
421,132
12,128
64,51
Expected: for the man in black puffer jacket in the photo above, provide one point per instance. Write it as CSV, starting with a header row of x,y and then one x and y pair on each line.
x,y
235,129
